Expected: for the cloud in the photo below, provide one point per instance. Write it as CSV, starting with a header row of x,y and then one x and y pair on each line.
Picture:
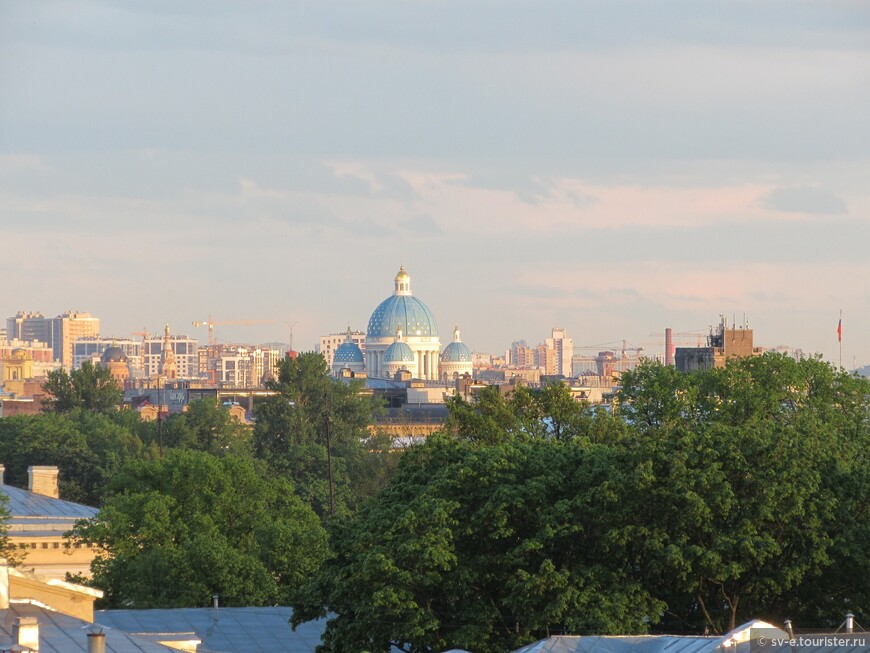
x,y
250,188
423,226
803,199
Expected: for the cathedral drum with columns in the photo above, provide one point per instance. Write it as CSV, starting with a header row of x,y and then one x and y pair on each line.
x,y
403,318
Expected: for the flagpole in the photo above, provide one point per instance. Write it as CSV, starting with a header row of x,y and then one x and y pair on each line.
x,y
840,338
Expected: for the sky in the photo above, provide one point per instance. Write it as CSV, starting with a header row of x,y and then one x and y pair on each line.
x,y
612,167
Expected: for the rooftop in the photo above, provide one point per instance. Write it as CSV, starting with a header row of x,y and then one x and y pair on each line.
x,y
222,630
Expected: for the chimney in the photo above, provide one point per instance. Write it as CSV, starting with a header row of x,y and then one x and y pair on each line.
x,y
25,633
97,642
2,472
43,480
4,584
850,622
669,347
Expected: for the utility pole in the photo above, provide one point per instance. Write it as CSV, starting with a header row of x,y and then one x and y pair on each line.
x,y
159,419
329,466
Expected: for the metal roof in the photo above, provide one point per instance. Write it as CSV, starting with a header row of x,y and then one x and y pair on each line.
x,y
59,633
617,644
222,630
755,635
24,503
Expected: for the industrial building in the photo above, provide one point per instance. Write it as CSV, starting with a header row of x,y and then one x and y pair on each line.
x,y
723,344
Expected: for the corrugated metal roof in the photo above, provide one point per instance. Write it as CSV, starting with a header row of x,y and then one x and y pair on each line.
x,y
222,630
617,644
756,635
59,633
24,503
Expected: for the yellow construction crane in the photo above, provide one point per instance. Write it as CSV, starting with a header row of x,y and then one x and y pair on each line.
x,y
144,333
211,324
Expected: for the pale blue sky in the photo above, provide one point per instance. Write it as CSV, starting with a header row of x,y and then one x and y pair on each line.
x,y
611,167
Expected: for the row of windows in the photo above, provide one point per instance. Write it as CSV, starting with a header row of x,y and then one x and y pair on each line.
x,y
54,545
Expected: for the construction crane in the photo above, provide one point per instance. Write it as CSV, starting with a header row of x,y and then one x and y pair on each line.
x,y
210,323
698,334
607,346
144,333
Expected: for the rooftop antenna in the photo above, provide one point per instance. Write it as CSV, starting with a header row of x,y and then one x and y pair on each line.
x,y
291,324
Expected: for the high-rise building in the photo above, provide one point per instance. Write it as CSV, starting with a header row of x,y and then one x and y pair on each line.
x,y
184,351
69,327
521,355
60,332
545,359
91,349
265,361
563,351
29,326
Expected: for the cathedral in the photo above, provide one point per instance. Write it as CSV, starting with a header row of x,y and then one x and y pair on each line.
x,y
402,337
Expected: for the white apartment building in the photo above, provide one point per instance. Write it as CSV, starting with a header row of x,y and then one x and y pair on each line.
x,y
328,344
563,350
184,348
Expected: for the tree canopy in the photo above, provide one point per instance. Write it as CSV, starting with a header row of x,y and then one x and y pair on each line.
x,y
481,547
703,501
292,429
207,426
177,530
91,387
88,448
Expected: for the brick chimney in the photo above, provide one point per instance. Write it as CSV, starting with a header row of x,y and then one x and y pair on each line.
x,y
43,480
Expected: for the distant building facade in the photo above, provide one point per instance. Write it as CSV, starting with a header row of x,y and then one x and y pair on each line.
x,y
563,351
330,344
184,352
59,332
91,349
723,344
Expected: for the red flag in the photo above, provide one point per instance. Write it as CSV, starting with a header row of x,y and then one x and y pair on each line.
x,y
840,331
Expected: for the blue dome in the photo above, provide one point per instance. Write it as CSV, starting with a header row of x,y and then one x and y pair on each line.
x,y
405,311
456,352
348,352
399,352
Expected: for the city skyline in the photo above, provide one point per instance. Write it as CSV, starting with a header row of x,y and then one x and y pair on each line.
x,y
612,168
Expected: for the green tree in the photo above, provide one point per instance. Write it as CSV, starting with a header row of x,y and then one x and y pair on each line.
x,y
707,500
207,426
482,547
548,412
7,551
91,387
180,529
292,429
738,484
87,447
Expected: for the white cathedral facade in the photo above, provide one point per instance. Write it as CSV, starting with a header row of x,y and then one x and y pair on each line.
x,y
402,336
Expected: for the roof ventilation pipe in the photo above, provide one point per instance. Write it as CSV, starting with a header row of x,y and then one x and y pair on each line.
x,y
97,642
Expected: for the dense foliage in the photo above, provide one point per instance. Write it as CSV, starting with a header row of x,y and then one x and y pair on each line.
x,y
88,448
178,530
189,505
310,410
91,387
704,501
